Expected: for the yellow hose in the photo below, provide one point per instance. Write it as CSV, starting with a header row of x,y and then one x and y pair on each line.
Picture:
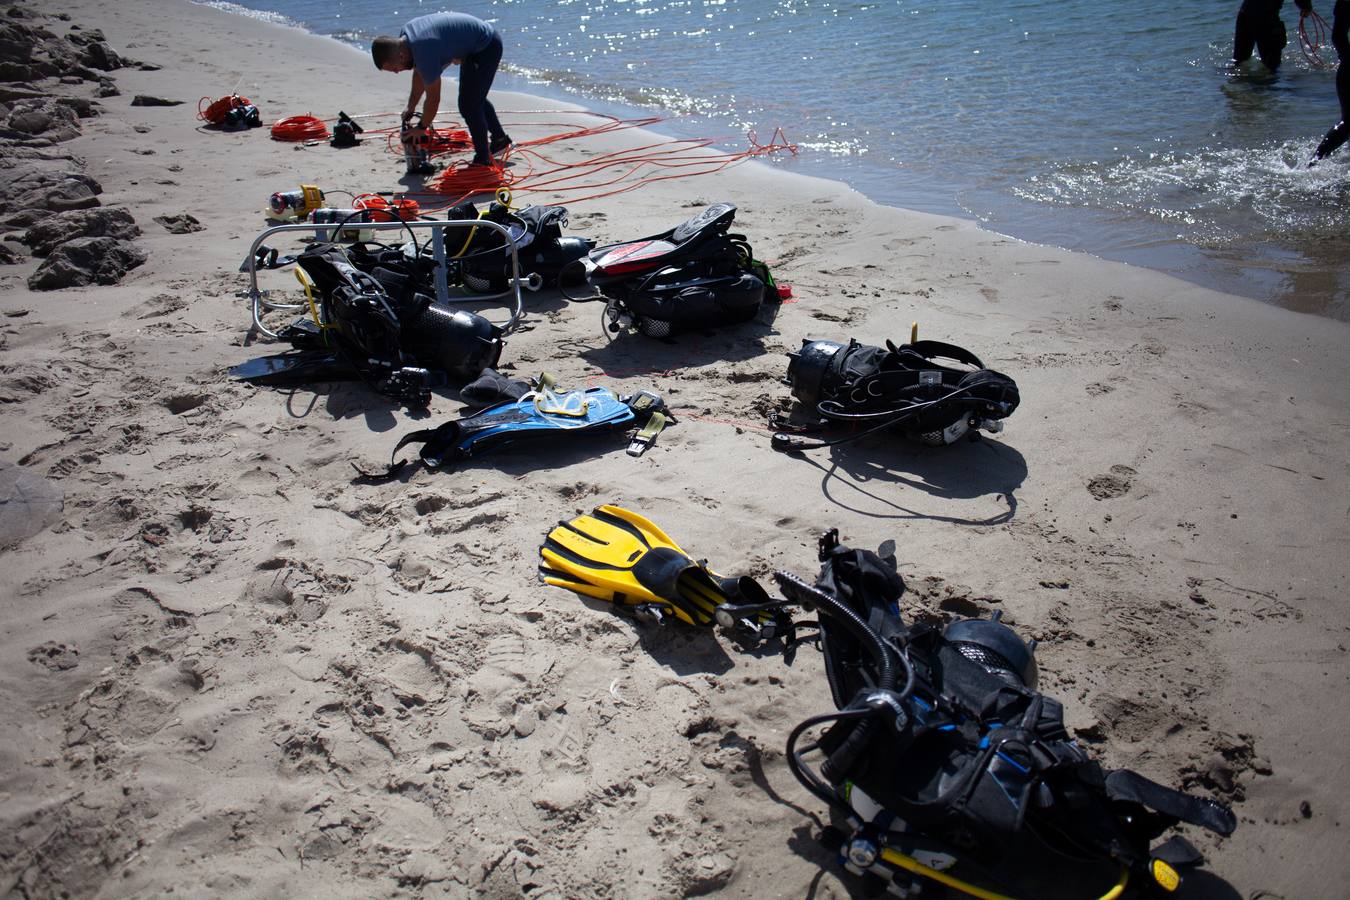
x,y
503,197
910,864
303,277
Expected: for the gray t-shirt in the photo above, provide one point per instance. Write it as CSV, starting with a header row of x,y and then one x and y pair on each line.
x,y
441,38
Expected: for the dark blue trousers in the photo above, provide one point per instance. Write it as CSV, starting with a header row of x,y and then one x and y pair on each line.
x,y
475,80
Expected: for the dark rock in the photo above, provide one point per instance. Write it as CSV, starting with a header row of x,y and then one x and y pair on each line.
x,y
35,189
100,56
72,195
8,257
147,100
84,109
25,218
16,43
14,51
13,71
143,66
107,88
51,232
56,56
19,91
84,73
87,260
84,38
43,117
183,223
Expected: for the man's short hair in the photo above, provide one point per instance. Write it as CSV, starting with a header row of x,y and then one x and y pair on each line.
x,y
383,49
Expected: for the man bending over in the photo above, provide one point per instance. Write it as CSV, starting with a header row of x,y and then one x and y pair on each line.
x,y
427,45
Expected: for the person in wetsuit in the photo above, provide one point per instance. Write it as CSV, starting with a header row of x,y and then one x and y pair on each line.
x,y
1259,26
427,45
1340,39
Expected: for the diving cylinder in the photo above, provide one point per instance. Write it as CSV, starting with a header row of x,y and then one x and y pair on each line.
x,y
295,205
415,155
457,341
347,218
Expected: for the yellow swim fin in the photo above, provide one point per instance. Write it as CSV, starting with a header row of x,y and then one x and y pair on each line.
x,y
619,556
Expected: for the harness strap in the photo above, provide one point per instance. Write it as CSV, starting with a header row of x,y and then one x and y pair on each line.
x,y
646,436
935,349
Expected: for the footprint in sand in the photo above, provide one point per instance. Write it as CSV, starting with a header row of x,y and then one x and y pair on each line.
x,y
1114,484
55,656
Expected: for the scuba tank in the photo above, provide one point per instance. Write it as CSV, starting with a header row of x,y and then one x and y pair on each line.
x,y
348,219
295,205
416,159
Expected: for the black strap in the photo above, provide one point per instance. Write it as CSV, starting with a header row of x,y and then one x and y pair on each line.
x,y
938,349
1123,784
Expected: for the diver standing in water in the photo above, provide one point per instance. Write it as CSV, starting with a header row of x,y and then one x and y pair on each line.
x,y
427,45
1259,25
1340,38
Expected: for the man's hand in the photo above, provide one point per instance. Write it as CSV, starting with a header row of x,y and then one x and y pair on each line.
x,y
408,114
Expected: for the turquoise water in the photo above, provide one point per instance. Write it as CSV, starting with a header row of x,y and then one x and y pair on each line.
x,y
1114,128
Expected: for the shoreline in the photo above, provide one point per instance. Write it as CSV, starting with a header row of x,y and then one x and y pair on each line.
x,y
1305,278
283,681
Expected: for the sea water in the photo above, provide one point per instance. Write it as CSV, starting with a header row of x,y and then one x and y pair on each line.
x,y
1116,128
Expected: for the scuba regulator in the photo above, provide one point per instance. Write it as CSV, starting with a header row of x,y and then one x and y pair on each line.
x,y
345,132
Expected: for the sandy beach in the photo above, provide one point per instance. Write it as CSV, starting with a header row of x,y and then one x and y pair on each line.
x,y
229,668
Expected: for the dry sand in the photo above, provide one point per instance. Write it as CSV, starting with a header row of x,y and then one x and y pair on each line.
x,y
228,669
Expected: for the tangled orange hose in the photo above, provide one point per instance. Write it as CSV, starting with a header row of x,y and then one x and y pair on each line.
x,y
464,179
384,210
525,167
299,128
214,113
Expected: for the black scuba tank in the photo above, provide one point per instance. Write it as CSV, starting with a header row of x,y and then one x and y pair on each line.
x,y
459,342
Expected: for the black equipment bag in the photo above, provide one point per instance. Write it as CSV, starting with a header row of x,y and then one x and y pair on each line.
x,y
482,261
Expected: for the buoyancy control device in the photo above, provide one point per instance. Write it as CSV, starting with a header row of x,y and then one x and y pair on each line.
x,y
695,276
482,262
373,316
950,766
932,391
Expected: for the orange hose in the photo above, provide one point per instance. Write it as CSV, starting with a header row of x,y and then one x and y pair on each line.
x,y
382,209
214,113
299,128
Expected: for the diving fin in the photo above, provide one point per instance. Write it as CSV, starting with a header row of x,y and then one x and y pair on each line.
x,y
295,368
619,556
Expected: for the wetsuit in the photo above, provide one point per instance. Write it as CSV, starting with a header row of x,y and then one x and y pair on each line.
x,y
1340,38
1259,25
439,39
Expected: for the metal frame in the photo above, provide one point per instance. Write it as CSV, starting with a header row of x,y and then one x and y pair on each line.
x,y
259,302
